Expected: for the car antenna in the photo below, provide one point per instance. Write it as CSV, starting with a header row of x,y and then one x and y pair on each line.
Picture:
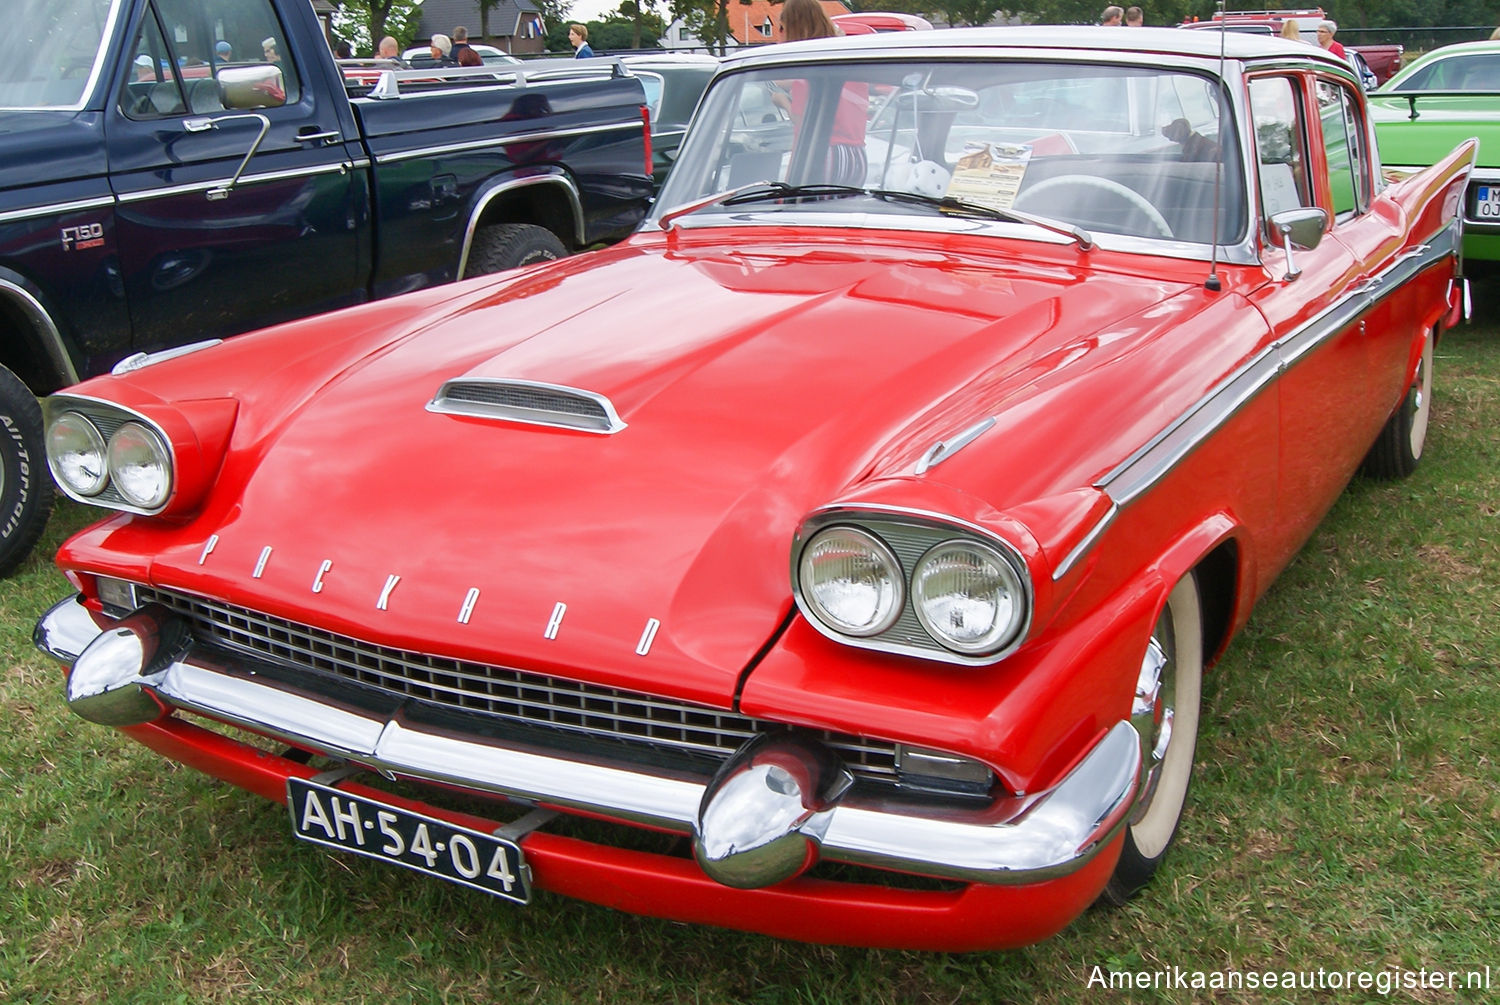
x,y
1212,283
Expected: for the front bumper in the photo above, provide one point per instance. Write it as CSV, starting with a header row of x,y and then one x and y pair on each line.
x,y
1011,849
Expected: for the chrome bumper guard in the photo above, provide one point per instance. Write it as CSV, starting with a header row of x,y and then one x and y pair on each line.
x,y
773,809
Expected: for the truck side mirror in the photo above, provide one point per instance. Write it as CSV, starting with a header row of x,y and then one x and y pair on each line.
x,y
254,85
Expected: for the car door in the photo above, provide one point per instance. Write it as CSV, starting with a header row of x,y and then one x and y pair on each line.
x,y
1323,389
205,253
1385,252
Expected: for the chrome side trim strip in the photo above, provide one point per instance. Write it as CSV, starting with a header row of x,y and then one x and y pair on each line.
x,y
1086,545
50,338
58,208
505,141
1016,839
147,195
1152,462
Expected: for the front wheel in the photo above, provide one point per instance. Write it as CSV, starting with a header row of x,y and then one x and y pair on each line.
x,y
1398,449
1166,710
25,485
510,246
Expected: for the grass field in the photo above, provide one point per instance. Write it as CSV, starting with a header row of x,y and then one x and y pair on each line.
x,y
1345,816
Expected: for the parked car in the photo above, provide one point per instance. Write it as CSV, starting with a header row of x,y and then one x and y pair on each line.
x,y
1377,62
420,56
1444,97
673,83
153,194
872,22
839,556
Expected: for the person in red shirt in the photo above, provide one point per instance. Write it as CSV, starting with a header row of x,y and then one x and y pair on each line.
x,y
1326,31
847,162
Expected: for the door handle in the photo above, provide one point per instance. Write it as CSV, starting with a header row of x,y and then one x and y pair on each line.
x,y
326,138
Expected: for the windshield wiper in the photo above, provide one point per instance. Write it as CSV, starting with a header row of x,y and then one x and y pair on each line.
x,y
950,205
758,191
764,191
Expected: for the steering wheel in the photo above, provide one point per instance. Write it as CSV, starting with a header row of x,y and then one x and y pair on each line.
x,y
1137,201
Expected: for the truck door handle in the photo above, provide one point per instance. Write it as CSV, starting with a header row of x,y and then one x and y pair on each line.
x,y
327,138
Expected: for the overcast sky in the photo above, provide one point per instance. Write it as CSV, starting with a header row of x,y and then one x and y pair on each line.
x,y
591,10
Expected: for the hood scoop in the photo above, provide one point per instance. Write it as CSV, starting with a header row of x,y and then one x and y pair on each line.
x,y
527,401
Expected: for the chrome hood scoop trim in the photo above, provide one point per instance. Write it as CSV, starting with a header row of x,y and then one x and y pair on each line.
x,y
527,401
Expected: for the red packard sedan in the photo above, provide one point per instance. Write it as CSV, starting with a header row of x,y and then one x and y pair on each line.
x,y
838,557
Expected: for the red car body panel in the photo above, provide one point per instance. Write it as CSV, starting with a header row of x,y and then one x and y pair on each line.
x,y
766,376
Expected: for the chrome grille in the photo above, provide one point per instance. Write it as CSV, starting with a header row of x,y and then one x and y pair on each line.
x,y
600,713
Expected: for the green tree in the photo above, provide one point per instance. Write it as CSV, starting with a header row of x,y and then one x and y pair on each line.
x,y
364,22
970,12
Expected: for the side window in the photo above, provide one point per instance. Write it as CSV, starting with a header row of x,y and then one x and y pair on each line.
x,y
152,89
184,45
1343,142
1280,145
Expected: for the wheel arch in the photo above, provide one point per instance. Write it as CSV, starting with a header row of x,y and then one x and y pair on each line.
x,y
32,346
1210,551
550,201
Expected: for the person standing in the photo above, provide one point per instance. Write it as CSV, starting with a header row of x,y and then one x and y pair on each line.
x,y
390,49
1134,17
461,45
442,50
1326,31
578,37
847,162
1112,16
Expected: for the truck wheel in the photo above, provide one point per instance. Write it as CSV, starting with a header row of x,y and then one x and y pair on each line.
x,y
1398,449
25,485
511,245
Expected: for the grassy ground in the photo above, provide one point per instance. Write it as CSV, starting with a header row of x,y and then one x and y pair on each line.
x,y
1344,816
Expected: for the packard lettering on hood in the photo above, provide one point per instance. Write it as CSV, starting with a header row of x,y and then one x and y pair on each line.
x,y
867,519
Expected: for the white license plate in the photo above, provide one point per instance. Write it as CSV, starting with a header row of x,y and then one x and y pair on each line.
x,y
328,816
1487,202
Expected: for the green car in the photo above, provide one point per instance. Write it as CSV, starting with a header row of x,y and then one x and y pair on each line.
x,y
1433,104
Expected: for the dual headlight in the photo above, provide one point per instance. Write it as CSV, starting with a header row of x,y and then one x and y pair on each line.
x,y
914,588
109,462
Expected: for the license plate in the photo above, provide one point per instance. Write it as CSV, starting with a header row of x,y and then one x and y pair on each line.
x,y
1487,202
328,816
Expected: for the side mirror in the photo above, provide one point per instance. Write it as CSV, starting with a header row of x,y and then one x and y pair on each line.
x,y
1300,228
254,85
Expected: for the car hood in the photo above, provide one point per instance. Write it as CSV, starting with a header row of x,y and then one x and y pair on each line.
x,y
753,385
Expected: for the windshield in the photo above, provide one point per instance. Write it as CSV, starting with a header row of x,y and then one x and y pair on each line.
x,y
1131,150
51,51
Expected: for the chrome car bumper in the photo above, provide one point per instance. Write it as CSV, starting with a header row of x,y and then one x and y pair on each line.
x,y
779,804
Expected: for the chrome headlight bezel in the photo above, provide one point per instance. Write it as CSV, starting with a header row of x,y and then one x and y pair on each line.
x,y
107,419
910,536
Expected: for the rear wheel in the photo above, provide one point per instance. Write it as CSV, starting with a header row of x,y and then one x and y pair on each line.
x,y
25,485
512,245
1398,449
1166,711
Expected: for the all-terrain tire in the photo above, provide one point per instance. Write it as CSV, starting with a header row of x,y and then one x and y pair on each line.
x,y
511,245
25,484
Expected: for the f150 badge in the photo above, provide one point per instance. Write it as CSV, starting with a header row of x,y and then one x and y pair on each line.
x,y
88,235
